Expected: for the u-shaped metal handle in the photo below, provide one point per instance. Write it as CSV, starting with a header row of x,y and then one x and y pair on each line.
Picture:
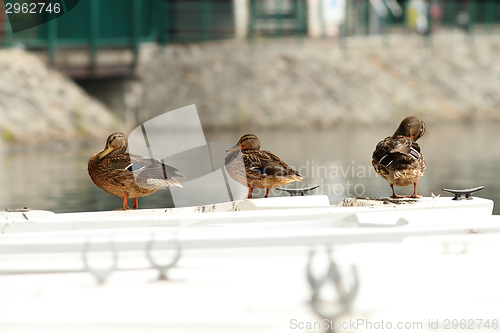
x,y
163,269
345,297
100,273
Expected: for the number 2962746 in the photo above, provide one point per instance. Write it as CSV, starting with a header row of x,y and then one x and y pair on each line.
x,y
32,8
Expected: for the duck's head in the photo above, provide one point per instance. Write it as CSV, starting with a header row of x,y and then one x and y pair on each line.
x,y
116,144
412,127
247,141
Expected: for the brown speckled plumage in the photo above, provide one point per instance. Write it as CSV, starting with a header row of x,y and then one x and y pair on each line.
x,y
127,175
398,158
250,166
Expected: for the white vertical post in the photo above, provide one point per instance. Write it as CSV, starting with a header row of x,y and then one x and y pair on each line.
x,y
331,14
241,18
313,18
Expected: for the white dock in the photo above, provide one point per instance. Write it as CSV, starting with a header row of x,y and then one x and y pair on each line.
x,y
244,212
243,267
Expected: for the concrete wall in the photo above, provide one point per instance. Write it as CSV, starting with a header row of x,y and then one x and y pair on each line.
x,y
319,84
274,84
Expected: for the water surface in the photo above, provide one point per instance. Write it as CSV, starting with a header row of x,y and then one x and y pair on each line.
x,y
339,160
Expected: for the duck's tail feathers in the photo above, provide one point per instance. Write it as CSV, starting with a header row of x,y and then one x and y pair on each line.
x,y
173,182
163,182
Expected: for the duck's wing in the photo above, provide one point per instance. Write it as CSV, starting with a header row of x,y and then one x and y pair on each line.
x,y
112,169
152,171
393,151
266,163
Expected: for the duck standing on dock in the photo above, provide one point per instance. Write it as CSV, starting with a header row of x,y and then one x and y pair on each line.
x,y
398,158
257,168
127,175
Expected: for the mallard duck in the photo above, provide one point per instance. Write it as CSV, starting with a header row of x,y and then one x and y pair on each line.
x,y
257,168
127,175
398,158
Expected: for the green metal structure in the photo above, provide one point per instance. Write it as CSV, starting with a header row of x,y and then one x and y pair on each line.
x,y
92,25
107,22
96,26
196,20
278,18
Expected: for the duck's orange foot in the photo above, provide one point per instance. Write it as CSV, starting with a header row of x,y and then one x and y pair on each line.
x,y
394,195
250,192
414,195
124,206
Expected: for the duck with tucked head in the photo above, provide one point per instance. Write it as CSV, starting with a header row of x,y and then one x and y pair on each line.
x,y
398,158
127,175
257,168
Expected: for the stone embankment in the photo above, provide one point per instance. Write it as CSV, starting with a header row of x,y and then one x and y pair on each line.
x,y
276,84
38,105
320,84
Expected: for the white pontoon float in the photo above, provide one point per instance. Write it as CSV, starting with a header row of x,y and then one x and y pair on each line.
x,y
243,267
420,281
281,221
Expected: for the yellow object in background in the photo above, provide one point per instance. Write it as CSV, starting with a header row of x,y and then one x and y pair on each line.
x,y
411,17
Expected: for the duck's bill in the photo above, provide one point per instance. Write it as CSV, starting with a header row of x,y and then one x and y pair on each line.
x,y
106,152
234,148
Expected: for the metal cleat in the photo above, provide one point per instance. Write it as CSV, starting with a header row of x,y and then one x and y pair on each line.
x,y
298,191
468,193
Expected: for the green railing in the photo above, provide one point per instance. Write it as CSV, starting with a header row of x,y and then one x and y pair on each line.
x,y
196,20
277,18
203,20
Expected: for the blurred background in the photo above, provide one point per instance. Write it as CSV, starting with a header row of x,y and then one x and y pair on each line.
x,y
319,81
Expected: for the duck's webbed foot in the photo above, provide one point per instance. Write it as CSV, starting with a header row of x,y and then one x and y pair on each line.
x,y
124,206
414,195
394,195
250,192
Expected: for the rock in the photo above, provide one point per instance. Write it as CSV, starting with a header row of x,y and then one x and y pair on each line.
x,y
39,105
